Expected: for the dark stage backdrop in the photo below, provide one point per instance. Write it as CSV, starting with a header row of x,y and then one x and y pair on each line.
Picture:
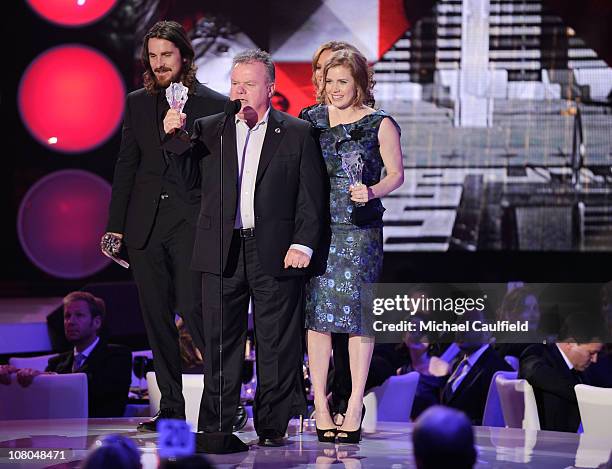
x,y
505,116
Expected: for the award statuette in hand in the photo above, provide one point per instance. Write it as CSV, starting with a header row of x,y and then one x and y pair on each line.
x,y
352,164
111,245
178,141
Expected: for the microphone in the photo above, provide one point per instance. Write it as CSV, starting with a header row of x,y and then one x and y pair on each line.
x,y
230,110
232,107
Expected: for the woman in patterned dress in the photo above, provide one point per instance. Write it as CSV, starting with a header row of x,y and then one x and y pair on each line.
x,y
333,301
340,384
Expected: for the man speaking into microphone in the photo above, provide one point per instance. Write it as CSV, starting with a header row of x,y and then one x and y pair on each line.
x,y
262,215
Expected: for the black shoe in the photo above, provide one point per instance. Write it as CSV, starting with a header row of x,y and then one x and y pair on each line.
x,y
343,415
324,436
219,443
151,424
240,419
272,442
271,438
343,436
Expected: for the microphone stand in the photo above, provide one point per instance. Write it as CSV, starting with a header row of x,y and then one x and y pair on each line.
x,y
222,443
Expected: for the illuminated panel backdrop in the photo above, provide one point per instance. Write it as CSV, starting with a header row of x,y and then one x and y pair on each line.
x,y
504,106
71,98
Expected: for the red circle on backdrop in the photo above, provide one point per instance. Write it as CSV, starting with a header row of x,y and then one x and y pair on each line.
x,y
72,12
71,98
61,220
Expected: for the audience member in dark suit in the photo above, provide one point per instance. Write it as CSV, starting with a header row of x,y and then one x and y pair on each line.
x,y
443,438
600,373
108,367
467,387
554,369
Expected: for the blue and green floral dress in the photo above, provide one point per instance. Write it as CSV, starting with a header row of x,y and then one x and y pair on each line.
x,y
333,300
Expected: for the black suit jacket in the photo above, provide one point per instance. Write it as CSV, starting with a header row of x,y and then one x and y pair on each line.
x,y
109,374
141,170
289,192
471,394
553,384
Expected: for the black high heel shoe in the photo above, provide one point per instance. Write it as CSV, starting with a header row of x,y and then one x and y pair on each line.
x,y
350,437
321,433
323,437
353,436
344,416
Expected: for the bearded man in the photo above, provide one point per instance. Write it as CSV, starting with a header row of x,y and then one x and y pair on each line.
x,y
153,216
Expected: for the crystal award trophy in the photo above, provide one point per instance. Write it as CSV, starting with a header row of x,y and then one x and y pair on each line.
x,y
178,141
352,164
111,246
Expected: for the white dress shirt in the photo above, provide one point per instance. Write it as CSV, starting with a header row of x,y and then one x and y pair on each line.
x,y
249,143
567,361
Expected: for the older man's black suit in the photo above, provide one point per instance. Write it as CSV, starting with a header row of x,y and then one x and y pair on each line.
x,y
109,374
289,207
553,384
157,218
289,194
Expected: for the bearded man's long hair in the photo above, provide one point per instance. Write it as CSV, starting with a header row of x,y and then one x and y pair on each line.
x,y
175,33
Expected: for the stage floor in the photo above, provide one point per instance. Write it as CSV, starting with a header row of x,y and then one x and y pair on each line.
x,y
390,446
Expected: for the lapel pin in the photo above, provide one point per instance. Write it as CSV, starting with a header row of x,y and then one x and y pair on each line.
x,y
277,130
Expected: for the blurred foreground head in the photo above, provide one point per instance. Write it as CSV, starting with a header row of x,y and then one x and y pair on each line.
x,y
443,437
114,451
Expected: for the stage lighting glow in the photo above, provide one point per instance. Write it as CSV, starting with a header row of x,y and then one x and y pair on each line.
x,y
72,13
61,220
71,98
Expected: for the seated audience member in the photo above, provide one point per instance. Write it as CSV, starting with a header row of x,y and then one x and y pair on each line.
x,y
519,304
108,367
554,369
442,438
468,385
415,351
600,373
114,451
413,354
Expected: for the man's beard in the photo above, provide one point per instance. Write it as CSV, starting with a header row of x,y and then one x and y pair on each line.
x,y
164,83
